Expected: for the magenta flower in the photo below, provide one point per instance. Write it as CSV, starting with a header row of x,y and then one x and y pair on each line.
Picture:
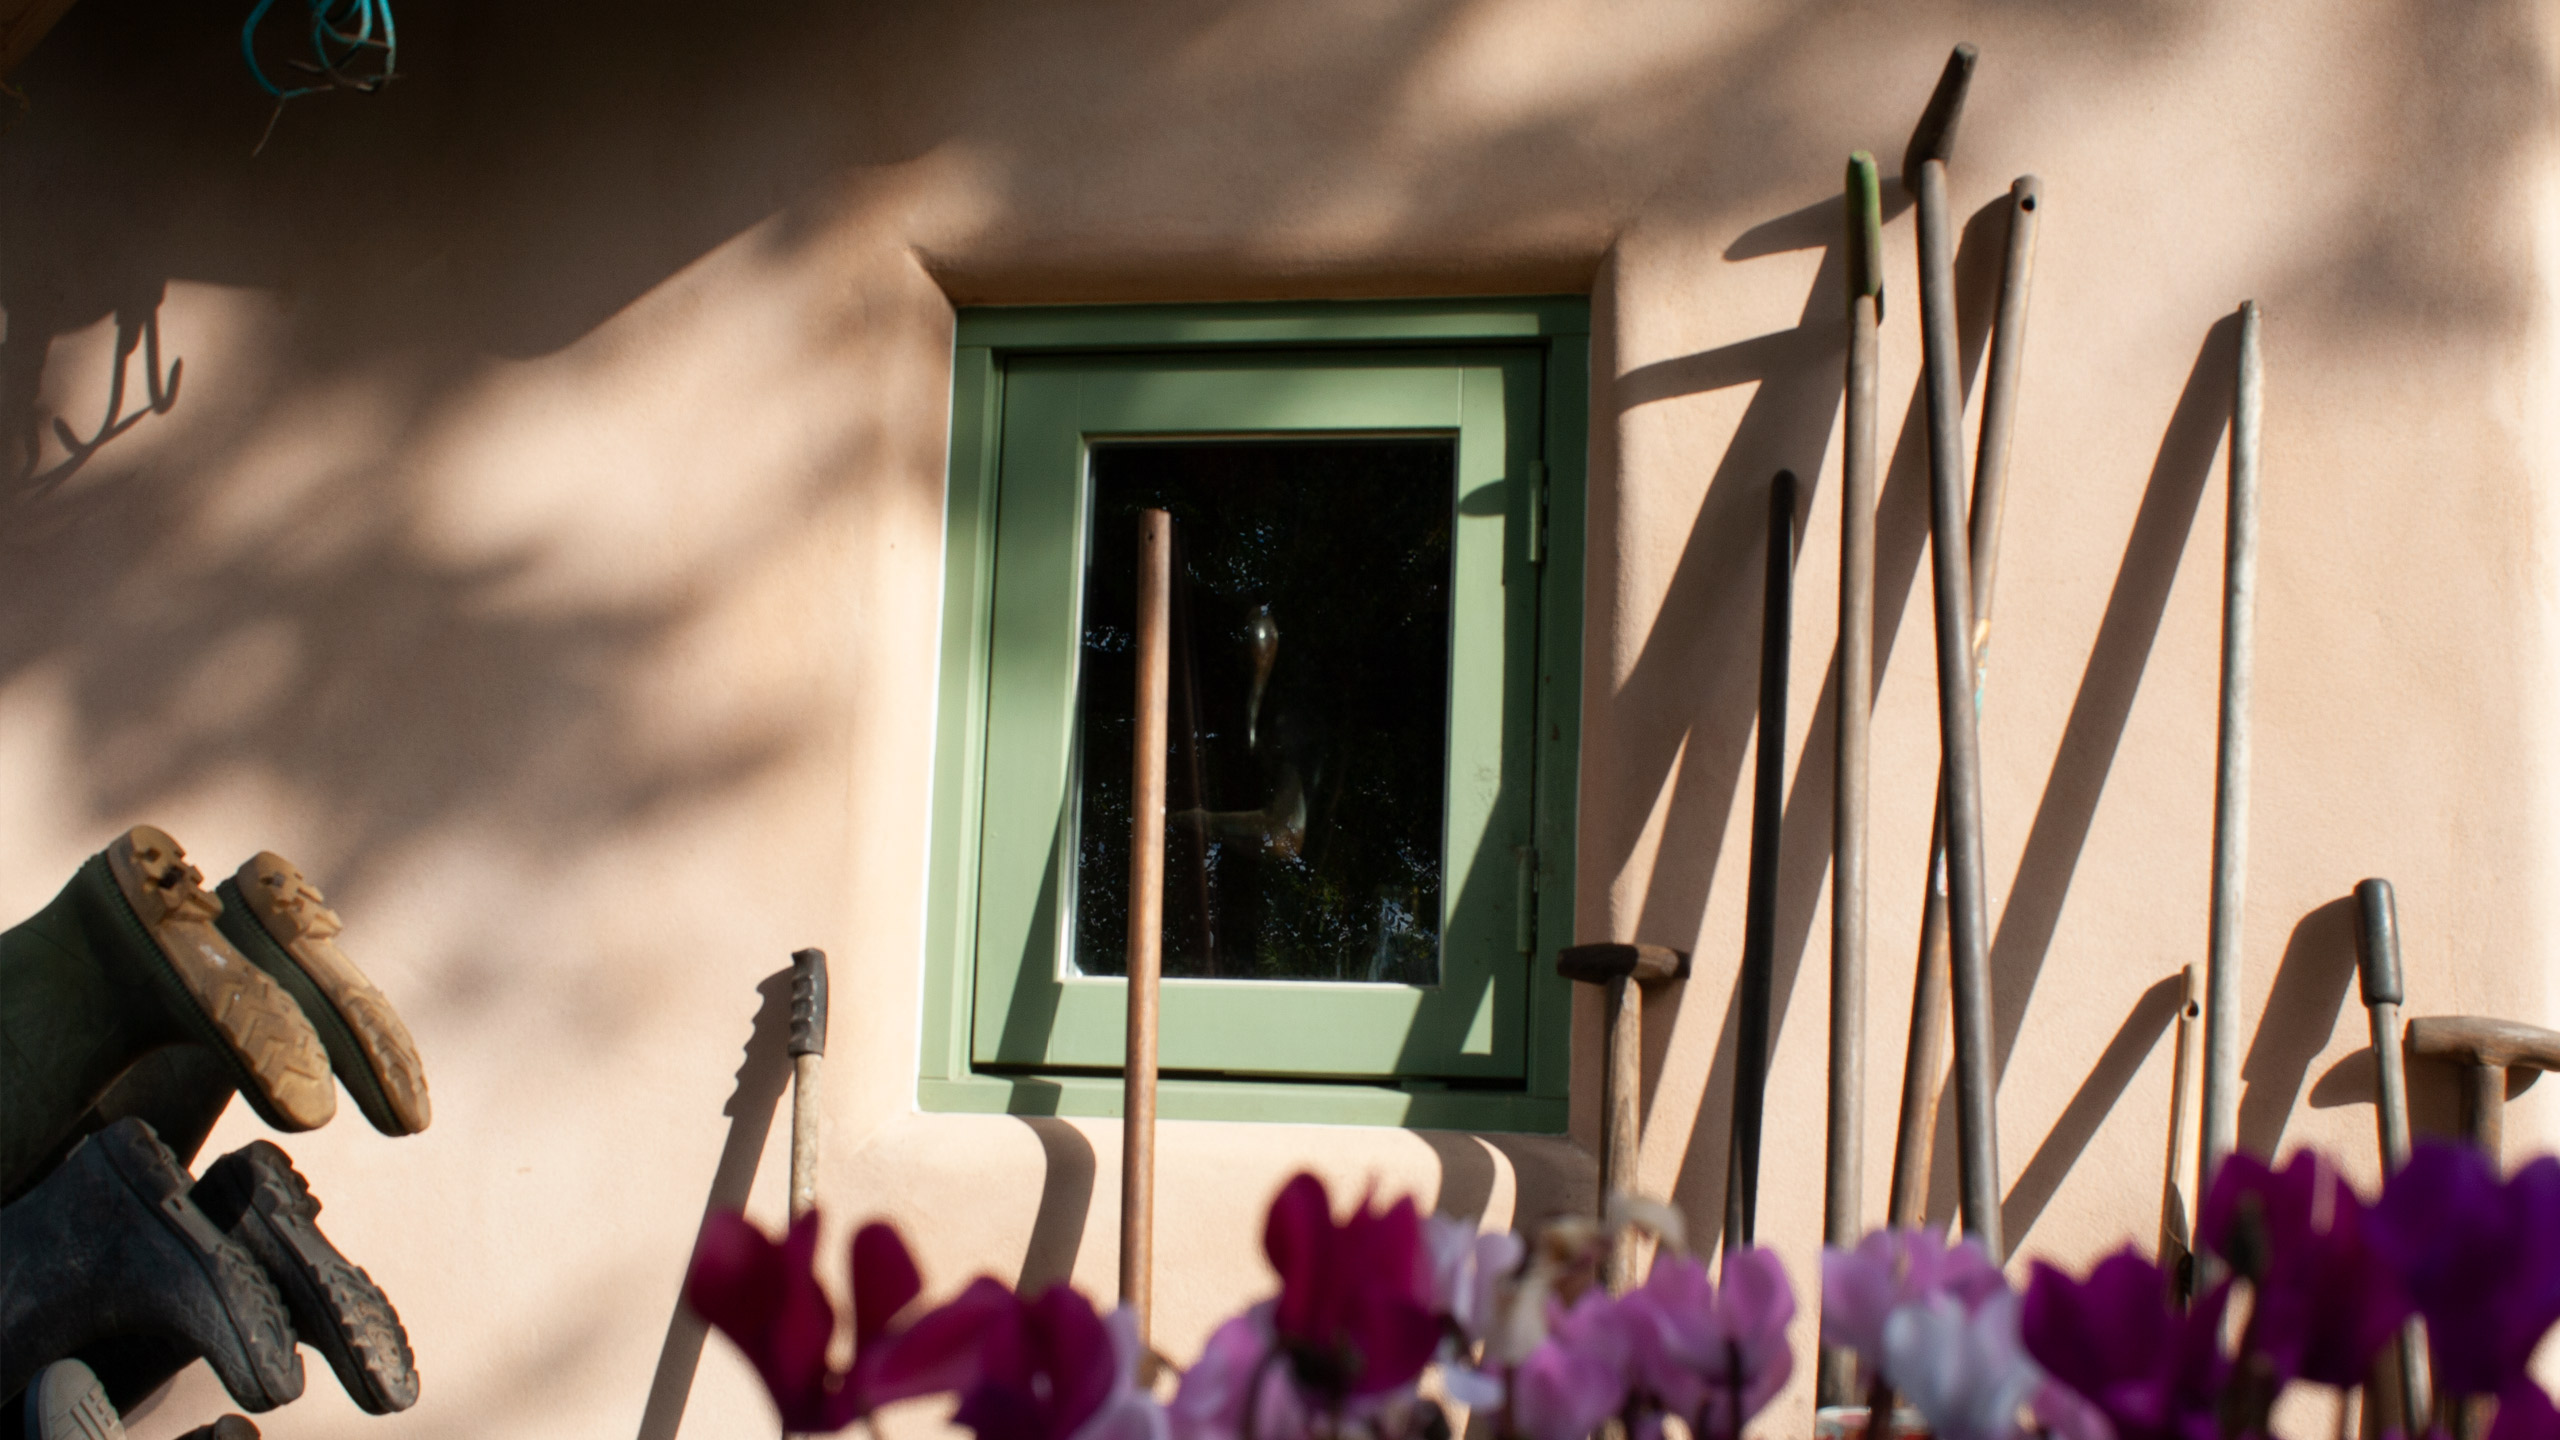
x,y
2115,1339
2325,1302
1578,1376
1891,1269
2525,1413
1713,1355
1355,1312
1047,1368
765,1296
2481,1260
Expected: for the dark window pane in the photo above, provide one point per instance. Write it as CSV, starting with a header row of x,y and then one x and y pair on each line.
x,y
1310,658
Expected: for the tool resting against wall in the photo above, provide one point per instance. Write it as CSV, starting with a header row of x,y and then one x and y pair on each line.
x,y
133,1006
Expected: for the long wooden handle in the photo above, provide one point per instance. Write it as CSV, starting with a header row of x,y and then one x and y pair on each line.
x,y
1146,917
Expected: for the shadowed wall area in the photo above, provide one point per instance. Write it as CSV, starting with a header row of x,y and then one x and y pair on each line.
x,y
518,497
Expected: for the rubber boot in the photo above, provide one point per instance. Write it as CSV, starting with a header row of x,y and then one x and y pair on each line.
x,y
124,961
66,1402
110,1244
256,1195
280,921
257,1198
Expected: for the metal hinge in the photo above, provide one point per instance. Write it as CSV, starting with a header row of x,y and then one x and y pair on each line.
x,y
1524,905
1537,544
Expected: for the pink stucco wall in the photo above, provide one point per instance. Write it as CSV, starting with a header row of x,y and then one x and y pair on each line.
x,y
542,548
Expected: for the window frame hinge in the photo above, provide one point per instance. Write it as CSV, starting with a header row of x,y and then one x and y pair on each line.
x,y
1525,899
1536,545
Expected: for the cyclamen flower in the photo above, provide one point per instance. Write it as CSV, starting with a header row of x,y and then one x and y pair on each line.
x,y
1966,1369
1049,1368
2481,1260
2525,1413
1891,1269
766,1297
1467,1272
1355,1311
1578,1376
1715,1355
2152,1371
2324,1302
1354,1323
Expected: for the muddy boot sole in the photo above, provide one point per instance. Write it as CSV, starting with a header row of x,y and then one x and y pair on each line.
x,y
283,924
256,1194
239,1010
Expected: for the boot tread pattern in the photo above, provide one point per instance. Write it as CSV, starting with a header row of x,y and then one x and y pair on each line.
x,y
356,1326
293,913
245,1289
262,1026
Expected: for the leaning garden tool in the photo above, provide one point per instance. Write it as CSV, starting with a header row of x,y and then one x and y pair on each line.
x,y
2177,1189
2221,1119
1621,972
1760,917
1925,1066
1924,169
2378,979
2485,1051
1853,686
808,1046
1146,918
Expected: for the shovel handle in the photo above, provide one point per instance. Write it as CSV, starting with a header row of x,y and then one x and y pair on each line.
x,y
1934,138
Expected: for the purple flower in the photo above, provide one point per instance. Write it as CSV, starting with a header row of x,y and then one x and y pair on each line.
x,y
2525,1413
2480,1259
1355,1311
1965,1369
2153,1371
1714,1355
765,1297
1047,1368
2325,1301
1893,1268
1578,1376
1466,1270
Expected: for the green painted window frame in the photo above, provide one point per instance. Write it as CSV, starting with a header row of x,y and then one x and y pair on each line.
x,y
1549,336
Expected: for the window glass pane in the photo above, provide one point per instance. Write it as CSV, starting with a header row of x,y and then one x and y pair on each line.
x,y
1310,656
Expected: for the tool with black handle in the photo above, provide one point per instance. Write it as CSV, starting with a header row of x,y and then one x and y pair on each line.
x,y
808,1047
1760,910
2378,980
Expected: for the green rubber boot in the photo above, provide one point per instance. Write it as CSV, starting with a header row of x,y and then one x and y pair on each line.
x,y
124,961
284,925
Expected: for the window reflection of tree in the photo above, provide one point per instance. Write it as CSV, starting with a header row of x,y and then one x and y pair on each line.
x,y
1309,706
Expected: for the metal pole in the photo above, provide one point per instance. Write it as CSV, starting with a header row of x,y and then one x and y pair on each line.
x,y
2231,771
808,1046
1967,913
2378,979
1844,1180
1146,919
1926,1058
1760,923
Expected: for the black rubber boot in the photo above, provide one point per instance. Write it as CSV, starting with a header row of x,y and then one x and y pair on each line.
x,y
229,1427
124,961
284,925
256,1195
110,1245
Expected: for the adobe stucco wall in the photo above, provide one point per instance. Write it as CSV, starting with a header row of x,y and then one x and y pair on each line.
x,y
542,548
